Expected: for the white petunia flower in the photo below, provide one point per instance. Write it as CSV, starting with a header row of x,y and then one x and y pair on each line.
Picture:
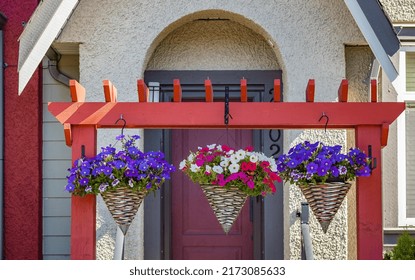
x,y
240,154
182,164
233,168
235,158
191,157
217,169
208,168
224,163
194,168
253,158
211,147
219,147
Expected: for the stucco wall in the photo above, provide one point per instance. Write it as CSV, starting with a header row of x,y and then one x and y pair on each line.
x,y
400,10
306,39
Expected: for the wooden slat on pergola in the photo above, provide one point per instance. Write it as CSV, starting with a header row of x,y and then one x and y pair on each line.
x,y
370,120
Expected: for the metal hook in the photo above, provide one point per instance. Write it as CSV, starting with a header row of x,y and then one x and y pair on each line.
x,y
227,114
125,123
327,120
373,161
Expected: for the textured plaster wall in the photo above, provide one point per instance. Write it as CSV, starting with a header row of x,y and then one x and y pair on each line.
x,y
400,10
121,39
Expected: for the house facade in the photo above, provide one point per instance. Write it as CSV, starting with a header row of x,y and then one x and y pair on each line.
x,y
159,41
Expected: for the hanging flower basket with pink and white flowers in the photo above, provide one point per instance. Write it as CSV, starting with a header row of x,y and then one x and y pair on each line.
x,y
228,176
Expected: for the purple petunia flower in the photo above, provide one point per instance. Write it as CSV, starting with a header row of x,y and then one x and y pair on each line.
x,y
84,181
322,171
312,168
334,171
70,187
342,170
115,182
363,172
103,187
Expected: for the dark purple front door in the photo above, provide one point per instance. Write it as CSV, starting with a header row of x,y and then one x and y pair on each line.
x,y
196,234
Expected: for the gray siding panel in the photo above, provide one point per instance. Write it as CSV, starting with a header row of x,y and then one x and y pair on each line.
x,y
56,169
56,245
54,226
56,207
55,188
56,161
53,131
56,150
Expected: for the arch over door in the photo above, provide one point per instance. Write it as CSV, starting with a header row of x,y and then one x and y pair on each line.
x,y
267,213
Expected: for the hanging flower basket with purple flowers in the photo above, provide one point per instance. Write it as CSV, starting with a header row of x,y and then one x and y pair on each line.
x,y
122,177
228,176
323,174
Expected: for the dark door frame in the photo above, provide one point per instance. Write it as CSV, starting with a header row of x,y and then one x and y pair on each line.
x,y
267,213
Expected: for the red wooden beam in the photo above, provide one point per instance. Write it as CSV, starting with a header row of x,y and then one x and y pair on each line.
x,y
177,91
290,115
369,198
208,91
244,90
68,134
143,91
309,92
77,91
110,91
277,90
343,91
384,135
373,90
83,209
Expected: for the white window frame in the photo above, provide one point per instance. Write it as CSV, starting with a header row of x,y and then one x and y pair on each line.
x,y
403,96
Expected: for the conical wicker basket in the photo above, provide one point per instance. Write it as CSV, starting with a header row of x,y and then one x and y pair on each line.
x,y
225,203
325,200
123,204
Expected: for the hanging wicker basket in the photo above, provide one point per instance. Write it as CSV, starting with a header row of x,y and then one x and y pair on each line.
x,y
225,203
123,204
325,200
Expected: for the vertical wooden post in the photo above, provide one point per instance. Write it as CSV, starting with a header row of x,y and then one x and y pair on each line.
x,y
369,198
83,209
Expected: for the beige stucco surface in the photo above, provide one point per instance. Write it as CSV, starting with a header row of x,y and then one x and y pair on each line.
x,y
119,40
402,11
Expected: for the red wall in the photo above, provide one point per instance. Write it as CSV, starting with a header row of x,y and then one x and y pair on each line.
x,y
23,144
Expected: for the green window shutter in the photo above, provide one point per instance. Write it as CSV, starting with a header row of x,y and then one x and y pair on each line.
x,y
410,71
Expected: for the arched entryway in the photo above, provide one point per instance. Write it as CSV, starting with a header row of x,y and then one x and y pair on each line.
x,y
216,47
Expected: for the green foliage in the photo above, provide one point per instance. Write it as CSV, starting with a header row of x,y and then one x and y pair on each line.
x,y
404,250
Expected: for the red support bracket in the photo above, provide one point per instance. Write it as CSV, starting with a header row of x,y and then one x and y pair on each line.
x,y
208,91
110,91
373,90
277,90
309,92
244,91
343,90
384,135
67,130
77,91
143,91
177,91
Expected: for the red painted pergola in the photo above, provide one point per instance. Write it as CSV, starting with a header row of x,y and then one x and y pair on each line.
x,y
370,120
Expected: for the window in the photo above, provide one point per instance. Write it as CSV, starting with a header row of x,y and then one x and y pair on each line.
x,y
410,71
406,140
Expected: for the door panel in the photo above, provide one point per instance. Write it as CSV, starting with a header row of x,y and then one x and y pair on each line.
x,y
196,233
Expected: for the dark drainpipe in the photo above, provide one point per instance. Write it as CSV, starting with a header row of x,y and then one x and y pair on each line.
x,y
53,67
3,20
